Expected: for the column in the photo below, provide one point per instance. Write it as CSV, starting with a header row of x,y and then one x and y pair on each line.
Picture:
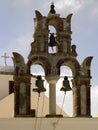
x,y
76,98
52,99
52,80
22,96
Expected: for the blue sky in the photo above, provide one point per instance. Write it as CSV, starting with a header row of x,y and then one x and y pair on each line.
x,y
17,27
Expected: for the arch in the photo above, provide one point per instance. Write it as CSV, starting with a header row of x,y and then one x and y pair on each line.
x,y
43,61
68,105
65,69
56,22
71,63
38,71
52,29
74,65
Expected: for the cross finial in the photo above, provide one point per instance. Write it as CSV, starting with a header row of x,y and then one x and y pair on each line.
x,y
5,58
52,10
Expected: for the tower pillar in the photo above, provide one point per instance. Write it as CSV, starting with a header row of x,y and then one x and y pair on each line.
x,y
52,80
81,97
22,96
76,98
52,99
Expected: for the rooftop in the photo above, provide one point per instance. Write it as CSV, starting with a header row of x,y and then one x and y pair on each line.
x,y
6,69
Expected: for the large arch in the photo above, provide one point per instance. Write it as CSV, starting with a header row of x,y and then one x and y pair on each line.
x,y
68,103
74,65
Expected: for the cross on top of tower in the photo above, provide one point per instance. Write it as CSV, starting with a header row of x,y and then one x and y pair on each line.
x,y
52,8
5,58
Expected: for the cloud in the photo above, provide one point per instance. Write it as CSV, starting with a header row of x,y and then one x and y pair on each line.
x,y
15,3
75,4
20,45
71,5
37,70
95,13
65,71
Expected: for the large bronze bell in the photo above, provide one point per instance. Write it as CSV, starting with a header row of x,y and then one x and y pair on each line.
x,y
52,41
39,85
66,85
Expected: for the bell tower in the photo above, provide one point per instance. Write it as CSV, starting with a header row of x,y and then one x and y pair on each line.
x,y
43,39
65,54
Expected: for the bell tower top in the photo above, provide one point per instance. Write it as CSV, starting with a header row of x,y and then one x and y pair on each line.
x,y
52,10
48,43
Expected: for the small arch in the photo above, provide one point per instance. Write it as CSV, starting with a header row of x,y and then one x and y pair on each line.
x,y
65,71
52,29
71,63
37,69
40,60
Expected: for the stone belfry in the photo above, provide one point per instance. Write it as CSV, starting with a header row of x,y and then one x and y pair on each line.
x,y
64,54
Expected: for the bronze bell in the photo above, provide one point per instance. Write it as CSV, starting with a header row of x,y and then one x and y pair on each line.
x,y
52,41
66,85
39,85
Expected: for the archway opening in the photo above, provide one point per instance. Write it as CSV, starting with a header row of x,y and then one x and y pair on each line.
x,y
36,102
52,40
67,104
37,70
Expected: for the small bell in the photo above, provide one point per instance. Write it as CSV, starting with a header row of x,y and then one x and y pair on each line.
x,y
66,85
52,41
39,85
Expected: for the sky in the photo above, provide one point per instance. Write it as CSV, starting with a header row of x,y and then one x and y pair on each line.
x,y
17,28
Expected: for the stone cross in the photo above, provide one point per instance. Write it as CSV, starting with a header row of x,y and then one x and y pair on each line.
x,y
5,58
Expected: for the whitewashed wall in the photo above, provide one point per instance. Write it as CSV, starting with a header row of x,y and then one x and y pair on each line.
x,y
49,124
4,85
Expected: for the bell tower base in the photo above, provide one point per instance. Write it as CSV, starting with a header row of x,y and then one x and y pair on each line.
x,y
57,115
